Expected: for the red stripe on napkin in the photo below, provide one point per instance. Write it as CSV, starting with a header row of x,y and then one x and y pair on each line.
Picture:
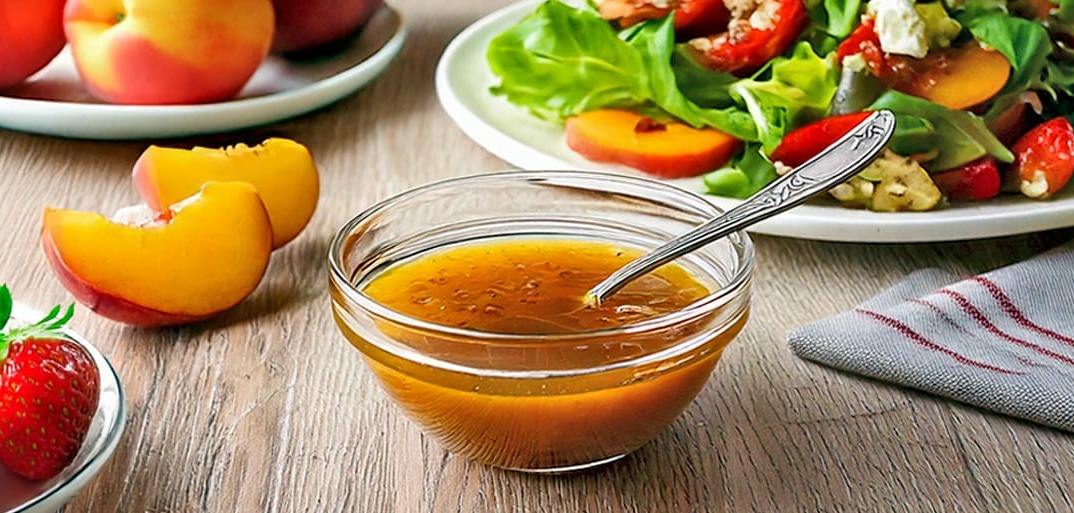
x,y
979,316
1015,313
920,340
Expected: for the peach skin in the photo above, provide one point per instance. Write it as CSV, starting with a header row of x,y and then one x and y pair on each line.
x,y
668,150
165,51
32,36
199,257
282,170
309,24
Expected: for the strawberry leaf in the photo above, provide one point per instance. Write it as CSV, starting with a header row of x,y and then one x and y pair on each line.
x,y
50,326
6,305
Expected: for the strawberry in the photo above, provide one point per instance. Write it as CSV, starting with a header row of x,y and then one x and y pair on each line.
x,y
49,388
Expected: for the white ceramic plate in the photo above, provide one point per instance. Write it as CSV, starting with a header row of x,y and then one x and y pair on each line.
x,y
54,102
20,496
463,79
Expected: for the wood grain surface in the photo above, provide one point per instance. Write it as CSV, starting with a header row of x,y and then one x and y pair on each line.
x,y
267,408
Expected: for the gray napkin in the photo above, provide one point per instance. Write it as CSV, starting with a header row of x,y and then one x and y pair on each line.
x,y
1003,340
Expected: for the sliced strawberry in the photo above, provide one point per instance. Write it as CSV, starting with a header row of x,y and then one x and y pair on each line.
x,y
804,143
49,389
745,47
1044,158
866,43
973,181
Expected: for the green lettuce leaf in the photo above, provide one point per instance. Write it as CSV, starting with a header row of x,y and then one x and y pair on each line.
x,y
799,89
1065,13
831,21
699,84
840,16
748,173
1024,43
966,10
955,136
560,61
655,41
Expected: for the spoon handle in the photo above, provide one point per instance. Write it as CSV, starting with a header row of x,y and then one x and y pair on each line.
x,y
837,163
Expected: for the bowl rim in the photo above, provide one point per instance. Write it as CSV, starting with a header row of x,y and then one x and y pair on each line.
x,y
67,487
738,282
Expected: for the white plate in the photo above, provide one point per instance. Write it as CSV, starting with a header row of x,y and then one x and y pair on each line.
x,y
53,101
462,83
20,496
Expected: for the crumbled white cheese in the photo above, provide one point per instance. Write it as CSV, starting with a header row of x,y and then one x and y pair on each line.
x,y
855,62
740,8
706,44
899,27
764,16
906,28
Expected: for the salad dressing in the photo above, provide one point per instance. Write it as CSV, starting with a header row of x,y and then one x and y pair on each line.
x,y
532,289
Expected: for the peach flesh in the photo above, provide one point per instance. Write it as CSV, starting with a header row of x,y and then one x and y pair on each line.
x,y
282,170
201,257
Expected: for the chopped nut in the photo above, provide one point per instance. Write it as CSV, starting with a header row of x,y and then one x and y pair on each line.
x,y
855,193
904,185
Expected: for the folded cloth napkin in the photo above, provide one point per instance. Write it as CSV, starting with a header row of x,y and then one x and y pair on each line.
x,y
1002,341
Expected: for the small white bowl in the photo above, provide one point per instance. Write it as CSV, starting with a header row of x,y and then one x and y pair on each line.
x,y
18,495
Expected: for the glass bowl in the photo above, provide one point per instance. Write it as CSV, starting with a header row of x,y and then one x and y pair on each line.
x,y
514,400
18,495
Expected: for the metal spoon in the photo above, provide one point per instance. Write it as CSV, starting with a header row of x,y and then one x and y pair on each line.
x,y
845,158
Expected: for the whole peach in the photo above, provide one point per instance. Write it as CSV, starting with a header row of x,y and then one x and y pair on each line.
x,y
167,51
31,35
306,24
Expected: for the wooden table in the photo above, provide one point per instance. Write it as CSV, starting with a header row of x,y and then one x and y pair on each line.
x,y
267,408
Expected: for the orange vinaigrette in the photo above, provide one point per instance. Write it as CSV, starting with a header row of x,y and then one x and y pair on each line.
x,y
533,289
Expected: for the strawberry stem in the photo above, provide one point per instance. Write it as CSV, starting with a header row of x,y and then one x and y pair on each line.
x,y
50,326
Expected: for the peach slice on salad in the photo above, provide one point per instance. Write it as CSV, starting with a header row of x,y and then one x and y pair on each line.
x,y
957,78
665,149
199,257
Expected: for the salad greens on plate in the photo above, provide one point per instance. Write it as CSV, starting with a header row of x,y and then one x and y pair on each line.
x,y
980,88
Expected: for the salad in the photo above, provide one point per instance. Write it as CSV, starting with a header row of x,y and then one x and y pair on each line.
x,y
741,91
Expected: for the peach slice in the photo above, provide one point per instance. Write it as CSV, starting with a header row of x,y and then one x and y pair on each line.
x,y
199,257
668,150
282,170
955,77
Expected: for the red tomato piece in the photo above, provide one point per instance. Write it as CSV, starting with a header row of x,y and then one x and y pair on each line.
x,y
974,181
697,18
865,42
1044,158
693,18
745,47
804,143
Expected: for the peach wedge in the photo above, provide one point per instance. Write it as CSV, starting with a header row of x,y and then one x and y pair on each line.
x,y
197,258
668,150
282,171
